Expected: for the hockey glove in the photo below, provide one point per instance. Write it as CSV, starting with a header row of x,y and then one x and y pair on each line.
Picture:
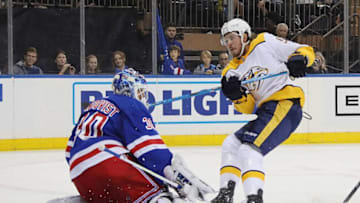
x,y
192,187
232,88
297,66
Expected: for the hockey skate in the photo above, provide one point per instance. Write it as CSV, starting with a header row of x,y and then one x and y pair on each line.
x,y
255,198
226,194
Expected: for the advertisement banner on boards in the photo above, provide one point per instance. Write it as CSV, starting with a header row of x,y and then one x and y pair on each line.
x,y
212,108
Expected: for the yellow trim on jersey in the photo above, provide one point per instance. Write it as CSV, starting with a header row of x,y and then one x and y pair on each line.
x,y
308,52
288,92
245,105
253,174
260,38
235,62
282,108
231,169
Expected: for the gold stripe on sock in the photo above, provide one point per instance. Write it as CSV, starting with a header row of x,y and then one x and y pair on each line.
x,y
253,174
230,169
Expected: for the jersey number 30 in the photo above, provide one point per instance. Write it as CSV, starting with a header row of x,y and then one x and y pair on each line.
x,y
91,125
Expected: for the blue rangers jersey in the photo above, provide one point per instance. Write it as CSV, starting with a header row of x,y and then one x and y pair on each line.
x,y
122,124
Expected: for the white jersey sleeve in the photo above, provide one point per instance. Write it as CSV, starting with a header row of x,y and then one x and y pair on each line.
x,y
281,47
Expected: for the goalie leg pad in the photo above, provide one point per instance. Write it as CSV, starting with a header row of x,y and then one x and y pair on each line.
x,y
191,186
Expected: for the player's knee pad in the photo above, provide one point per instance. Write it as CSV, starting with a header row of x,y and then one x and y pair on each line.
x,y
231,144
250,158
229,151
253,173
230,168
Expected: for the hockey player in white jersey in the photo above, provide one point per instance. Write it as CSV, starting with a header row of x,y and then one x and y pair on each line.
x,y
276,102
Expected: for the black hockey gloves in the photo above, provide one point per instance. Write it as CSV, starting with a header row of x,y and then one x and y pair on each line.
x,y
297,66
232,88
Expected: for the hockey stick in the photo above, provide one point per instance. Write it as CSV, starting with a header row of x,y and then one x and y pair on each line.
x,y
138,166
70,199
206,91
352,193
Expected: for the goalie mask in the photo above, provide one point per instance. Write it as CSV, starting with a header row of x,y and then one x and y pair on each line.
x,y
130,83
238,26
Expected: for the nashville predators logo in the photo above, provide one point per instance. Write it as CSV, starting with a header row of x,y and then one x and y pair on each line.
x,y
255,72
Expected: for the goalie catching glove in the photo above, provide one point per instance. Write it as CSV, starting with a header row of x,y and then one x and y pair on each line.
x,y
191,187
231,87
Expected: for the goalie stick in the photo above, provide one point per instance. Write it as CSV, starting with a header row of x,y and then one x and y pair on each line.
x,y
70,199
352,193
206,91
138,166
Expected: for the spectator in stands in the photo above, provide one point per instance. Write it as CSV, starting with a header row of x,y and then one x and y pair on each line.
x,y
237,7
118,61
223,59
175,65
92,67
170,35
26,66
319,65
206,67
140,53
282,30
261,5
337,12
270,9
62,65
271,21
267,6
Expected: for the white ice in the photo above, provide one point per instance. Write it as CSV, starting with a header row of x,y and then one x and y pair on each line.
x,y
294,173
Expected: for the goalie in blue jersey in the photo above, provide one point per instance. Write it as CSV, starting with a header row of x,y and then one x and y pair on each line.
x,y
123,124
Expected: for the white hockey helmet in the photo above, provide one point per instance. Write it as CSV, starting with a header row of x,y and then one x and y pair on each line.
x,y
130,83
236,25
239,26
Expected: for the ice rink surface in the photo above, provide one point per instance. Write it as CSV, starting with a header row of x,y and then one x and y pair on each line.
x,y
294,173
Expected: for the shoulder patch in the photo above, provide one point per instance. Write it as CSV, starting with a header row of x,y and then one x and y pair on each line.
x,y
149,125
